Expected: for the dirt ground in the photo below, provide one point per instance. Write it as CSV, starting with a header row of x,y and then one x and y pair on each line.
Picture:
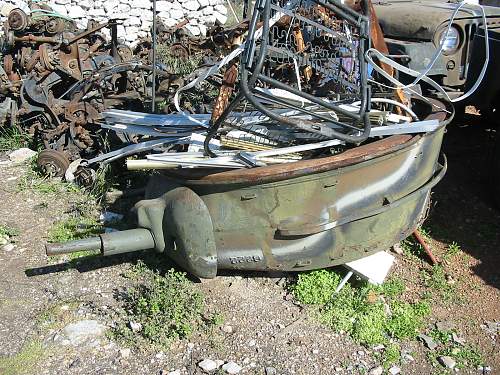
x,y
269,332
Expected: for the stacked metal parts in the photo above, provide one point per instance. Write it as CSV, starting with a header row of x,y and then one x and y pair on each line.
x,y
289,83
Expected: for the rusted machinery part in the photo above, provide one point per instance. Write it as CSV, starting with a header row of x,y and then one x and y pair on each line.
x,y
125,52
81,113
180,51
52,162
55,26
17,20
8,65
378,41
30,38
225,91
426,247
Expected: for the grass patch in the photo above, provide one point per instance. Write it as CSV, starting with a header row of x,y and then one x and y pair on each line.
x,y
6,231
391,355
11,138
57,315
369,314
466,355
74,229
168,307
435,279
24,361
412,247
34,180
175,64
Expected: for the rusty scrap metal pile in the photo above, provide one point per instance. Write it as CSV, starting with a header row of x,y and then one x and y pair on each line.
x,y
291,82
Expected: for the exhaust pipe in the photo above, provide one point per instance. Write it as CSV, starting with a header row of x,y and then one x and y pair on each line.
x,y
107,243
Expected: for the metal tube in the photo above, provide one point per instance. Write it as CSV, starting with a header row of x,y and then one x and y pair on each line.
x,y
87,244
141,164
127,241
426,247
107,243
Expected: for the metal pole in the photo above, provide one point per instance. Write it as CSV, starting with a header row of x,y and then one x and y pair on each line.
x,y
153,74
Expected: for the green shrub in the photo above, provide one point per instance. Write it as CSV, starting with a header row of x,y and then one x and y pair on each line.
x,y
316,287
361,312
168,307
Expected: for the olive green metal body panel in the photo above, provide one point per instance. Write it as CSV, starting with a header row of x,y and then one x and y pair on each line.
x,y
303,215
300,223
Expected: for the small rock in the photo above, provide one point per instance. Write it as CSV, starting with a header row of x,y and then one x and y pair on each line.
x,y
484,369
397,249
252,343
8,247
457,339
361,353
175,372
125,353
378,347
394,370
231,368
21,155
160,355
315,351
4,240
190,346
447,361
227,329
270,371
80,333
379,370
444,326
408,358
428,341
135,326
207,365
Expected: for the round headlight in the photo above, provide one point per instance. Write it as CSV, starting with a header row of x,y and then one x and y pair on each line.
x,y
449,40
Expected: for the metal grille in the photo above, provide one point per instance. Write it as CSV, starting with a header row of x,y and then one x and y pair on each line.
x,y
302,68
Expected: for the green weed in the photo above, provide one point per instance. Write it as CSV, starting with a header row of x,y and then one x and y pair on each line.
x,y
435,279
361,312
8,231
176,64
11,138
316,287
55,316
74,229
215,320
24,361
104,181
406,319
453,249
391,355
466,356
168,307
34,180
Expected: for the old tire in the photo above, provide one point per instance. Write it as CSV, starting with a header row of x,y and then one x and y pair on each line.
x,y
52,163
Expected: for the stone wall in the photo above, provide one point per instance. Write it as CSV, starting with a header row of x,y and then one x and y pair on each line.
x,y
137,15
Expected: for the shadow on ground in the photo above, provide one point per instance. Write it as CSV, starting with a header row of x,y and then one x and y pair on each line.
x,y
464,210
